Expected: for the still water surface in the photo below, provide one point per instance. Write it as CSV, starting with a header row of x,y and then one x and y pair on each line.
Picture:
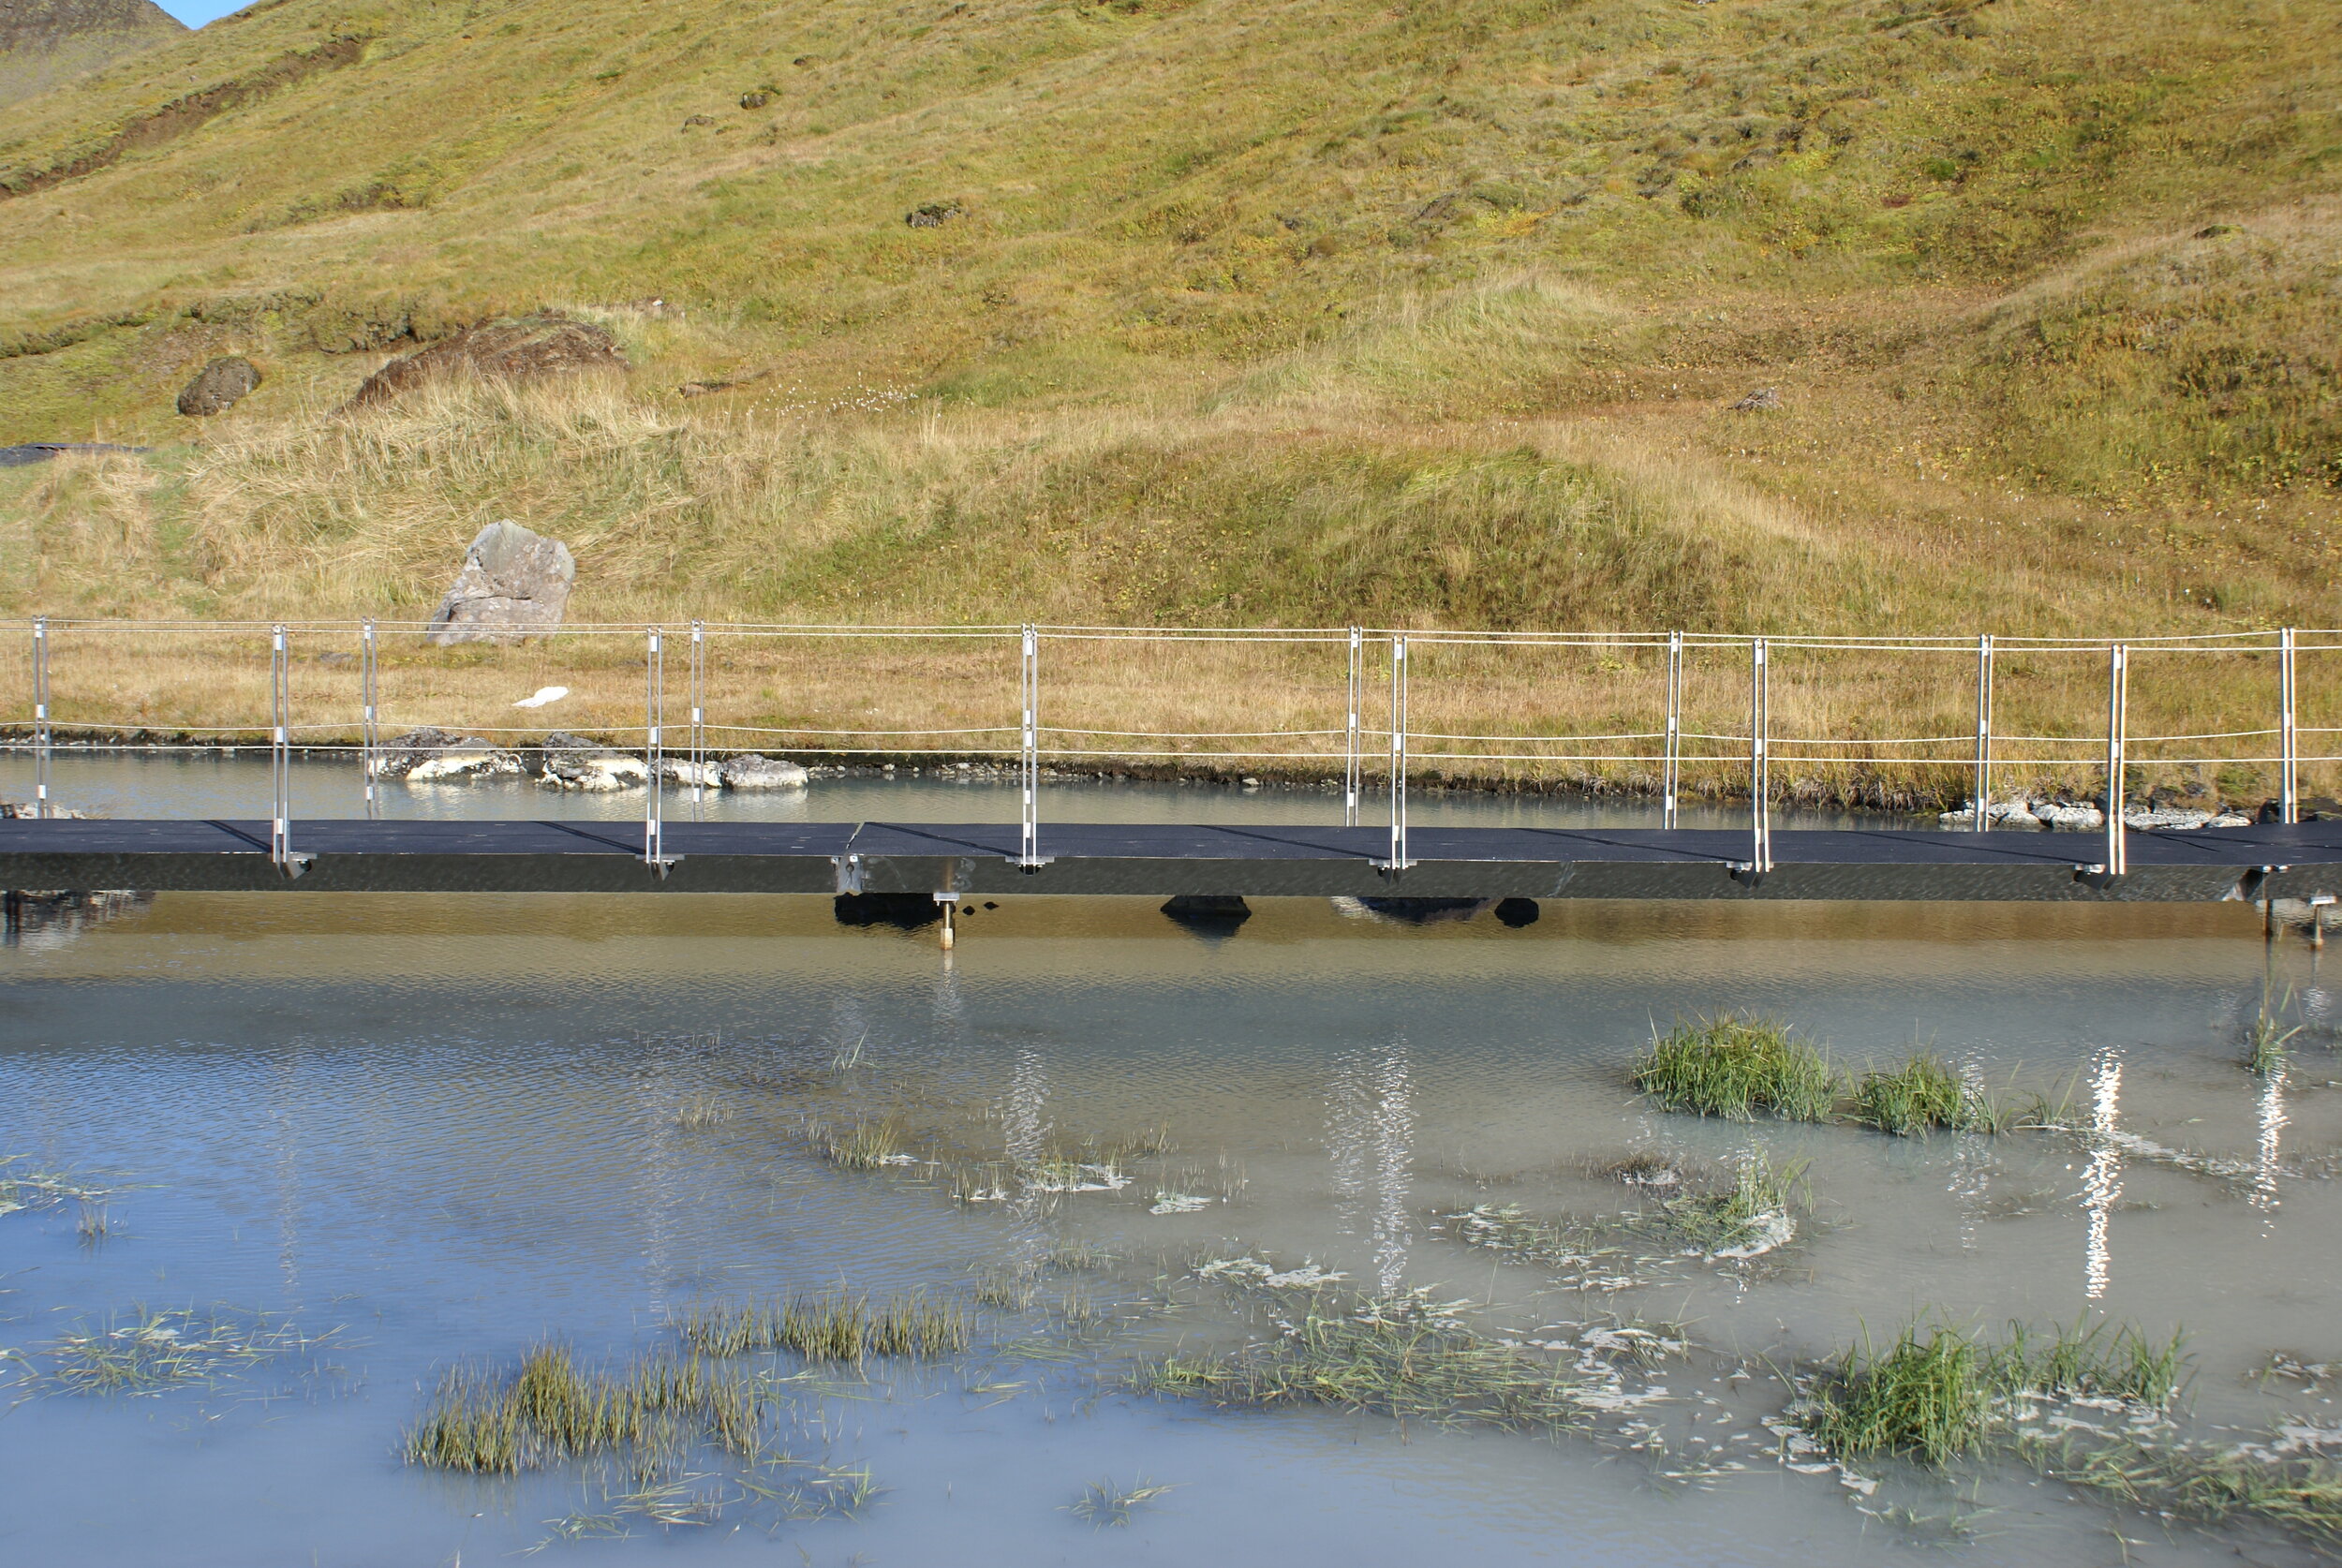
x,y
449,1127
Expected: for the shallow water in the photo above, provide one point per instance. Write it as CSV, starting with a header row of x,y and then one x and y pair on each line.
x,y
215,783
449,1127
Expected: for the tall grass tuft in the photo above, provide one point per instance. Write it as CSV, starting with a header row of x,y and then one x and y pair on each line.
x,y
2098,1359
836,1325
867,1146
549,1408
1916,1097
1934,1393
1734,1067
1921,1398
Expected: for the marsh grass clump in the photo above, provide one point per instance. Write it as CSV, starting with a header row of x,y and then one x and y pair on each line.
x,y
2098,1360
38,1189
1104,1502
1755,1215
835,1325
867,1146
1734,1067
146,1352
2296,1492
1509,1228
1408,1365
1916,1097
2265,1045
653,1411
1922,1397
703,1113
1938,1392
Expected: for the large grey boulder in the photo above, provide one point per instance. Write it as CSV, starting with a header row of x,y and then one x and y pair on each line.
x,y
219,386
749,771
576,763
513,584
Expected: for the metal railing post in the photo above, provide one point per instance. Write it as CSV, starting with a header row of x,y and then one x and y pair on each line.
x,y
2289,734
1983,734
1759,758
1028,768
654,705
2117,735
1354,765
1398,861
1672,785
280,748
40,716
698,710
368,735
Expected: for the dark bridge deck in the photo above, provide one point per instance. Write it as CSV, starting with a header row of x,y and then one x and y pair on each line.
x,y
508,856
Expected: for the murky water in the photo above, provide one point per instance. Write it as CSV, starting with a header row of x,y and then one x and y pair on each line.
x,y
425,1131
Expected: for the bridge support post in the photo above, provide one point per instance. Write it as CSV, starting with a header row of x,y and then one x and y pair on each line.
x,y
369,736
40,717
654,756
280,749
1759,758
1029,764
2117,735
1983,734
2289,734
1398,861
1673,783
698,710
1354,765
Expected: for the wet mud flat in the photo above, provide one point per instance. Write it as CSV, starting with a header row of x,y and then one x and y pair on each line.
x,y
393,1225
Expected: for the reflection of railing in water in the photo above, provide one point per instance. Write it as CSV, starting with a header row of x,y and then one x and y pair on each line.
x,y
1032,741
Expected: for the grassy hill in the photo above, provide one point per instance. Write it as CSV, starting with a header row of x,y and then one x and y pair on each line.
x,y
1309,312
45,42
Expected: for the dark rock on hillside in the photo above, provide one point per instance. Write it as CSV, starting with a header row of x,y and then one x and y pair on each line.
x,y
526,348
932,214
1759,401
44,43
42,452
219,386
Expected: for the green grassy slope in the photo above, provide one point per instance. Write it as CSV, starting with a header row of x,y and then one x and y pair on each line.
x,y
1313,311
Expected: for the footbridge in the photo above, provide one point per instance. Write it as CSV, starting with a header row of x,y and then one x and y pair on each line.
x,y
2113,728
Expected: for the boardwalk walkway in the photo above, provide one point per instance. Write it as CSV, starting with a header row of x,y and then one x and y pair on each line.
x,y
2287,861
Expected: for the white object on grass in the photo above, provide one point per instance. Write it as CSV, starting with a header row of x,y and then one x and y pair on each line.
x,y
545,694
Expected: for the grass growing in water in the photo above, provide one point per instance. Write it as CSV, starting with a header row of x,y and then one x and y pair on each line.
x,y
867,1146
1734,1067
1923,1397
1103,1503
1936,1391
1918,1097
1752,1217
1403,1364
551,1408
836,1325
148,1352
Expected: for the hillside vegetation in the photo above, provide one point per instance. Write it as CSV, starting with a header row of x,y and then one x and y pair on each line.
x,y
1423,313
46,42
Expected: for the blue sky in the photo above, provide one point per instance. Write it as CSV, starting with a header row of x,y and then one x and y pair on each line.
x,y
195,13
